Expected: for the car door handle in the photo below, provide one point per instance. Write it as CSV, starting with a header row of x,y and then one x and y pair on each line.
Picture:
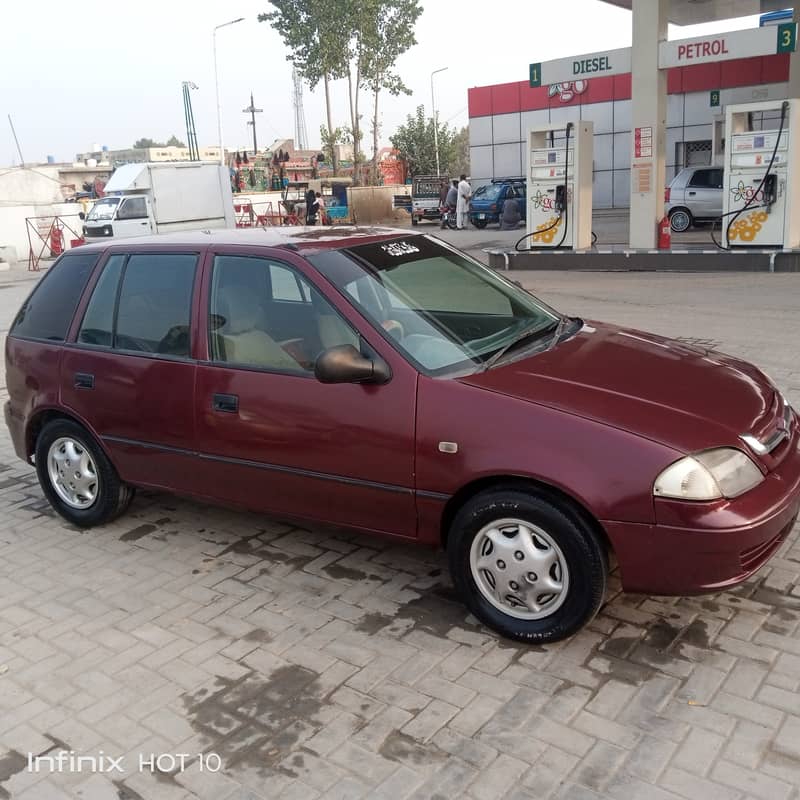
x,y
225,402
84,381
692,194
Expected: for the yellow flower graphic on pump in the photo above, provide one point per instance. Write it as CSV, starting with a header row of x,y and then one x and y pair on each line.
x,y
747,229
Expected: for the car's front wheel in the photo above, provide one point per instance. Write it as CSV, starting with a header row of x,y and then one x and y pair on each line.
x,y
77,478
479,223
528,568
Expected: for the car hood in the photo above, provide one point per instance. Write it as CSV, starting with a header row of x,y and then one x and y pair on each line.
x,y
679,395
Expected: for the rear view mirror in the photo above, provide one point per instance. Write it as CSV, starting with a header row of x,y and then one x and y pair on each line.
x,y
81,215
344,364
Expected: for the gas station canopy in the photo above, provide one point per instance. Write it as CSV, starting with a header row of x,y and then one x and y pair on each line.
x,y
692,12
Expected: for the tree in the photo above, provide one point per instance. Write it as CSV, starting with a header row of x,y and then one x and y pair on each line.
x,y
415,143
174,141
459,165
330,140
388,33
141,144
315,33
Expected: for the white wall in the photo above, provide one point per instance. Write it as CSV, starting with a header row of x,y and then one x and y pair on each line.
x,y
14,231
32,185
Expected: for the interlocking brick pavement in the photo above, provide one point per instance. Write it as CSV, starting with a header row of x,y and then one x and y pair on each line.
x,y
323,664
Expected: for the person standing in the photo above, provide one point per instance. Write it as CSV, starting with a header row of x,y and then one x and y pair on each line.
x,y
462,208
323,219
450,201
312,207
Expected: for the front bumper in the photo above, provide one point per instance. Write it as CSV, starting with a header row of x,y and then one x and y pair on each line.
x,y
706,547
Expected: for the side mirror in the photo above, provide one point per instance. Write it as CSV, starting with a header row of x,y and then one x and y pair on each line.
x,y
81,215
344,364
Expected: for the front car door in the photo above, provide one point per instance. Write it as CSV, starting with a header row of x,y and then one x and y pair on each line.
x,y
128,370
275,439
132,218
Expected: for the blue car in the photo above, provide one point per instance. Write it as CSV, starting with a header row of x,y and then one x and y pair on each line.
x,y
487,203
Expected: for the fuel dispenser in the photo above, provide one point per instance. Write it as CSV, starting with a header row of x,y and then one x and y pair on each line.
x,y
761,192
559,210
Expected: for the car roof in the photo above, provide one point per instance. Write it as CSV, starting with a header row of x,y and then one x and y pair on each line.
x,y
291,237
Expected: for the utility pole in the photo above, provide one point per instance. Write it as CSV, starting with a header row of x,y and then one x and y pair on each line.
x,y
22,160
191,133
252,111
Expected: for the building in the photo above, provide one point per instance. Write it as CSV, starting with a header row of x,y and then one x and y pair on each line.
x,y
500,115
140,155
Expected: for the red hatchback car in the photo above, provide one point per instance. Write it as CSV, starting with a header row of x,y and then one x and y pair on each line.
x,y
387,382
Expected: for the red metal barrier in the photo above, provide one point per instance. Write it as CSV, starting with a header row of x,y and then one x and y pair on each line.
x,y
47,234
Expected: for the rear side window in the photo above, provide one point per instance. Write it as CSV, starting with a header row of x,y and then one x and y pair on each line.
x,y
142,303
47,313
704,179
98,321
155,304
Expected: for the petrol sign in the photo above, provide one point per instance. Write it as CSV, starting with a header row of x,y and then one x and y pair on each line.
x,y
726,46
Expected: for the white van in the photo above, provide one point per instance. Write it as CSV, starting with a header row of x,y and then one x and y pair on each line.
x,y
142,199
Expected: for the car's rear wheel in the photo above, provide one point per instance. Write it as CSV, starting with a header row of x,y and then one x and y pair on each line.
x,y
479,223
528,568
77,478
680,219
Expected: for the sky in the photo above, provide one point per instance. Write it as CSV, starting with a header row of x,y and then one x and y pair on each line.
x,y
110,72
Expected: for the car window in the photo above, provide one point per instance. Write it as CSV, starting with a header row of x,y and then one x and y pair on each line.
x,y
155,303
444,310
133,208
286,285
98,322
715,179
489,192
702,179
251,325
48,311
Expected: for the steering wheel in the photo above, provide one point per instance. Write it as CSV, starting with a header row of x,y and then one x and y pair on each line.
x,y
393,328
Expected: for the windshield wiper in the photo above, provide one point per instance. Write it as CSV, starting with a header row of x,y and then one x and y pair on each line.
x,y
559,330
523,334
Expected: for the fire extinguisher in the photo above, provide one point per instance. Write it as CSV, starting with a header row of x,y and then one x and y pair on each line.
x,y
664,234
56,241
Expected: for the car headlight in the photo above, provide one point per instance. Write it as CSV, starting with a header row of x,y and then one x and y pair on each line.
x,y
710,475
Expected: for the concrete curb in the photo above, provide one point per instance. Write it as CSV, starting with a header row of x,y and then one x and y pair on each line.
x,y
649,260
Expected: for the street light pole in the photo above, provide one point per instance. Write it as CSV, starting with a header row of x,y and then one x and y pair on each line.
x,y
435,123
216,81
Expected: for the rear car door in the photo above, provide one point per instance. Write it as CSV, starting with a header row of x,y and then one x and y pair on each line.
x,y
272,437
128,372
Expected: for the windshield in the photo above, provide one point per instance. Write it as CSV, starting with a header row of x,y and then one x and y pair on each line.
x,y
489,192
445,311
103,209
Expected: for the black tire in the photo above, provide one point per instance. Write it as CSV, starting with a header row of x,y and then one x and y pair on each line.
x,y
452,221
680,220
585,557
112,495
479,223
414,221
